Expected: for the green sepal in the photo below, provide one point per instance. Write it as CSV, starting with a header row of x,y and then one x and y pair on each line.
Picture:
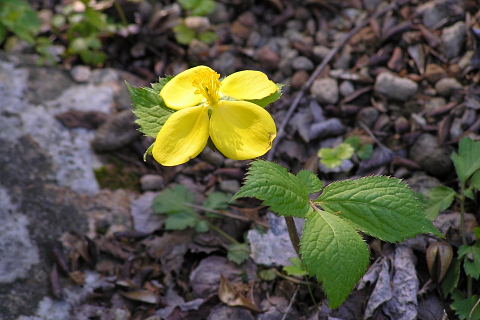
x,y
149,107
148,152
271,98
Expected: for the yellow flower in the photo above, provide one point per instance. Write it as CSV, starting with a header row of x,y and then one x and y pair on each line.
x,y
208,107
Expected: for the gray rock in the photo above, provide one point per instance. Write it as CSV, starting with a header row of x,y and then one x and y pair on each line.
x,y
431,156
118,131
198,24
433,104
81,73
368,116
272,248
302,63
212,157
456,129
422,183
453,38
320,51
143,216
346,88
434,13
329,128
371,4
226,63
447,86
325,90
152,182
395,87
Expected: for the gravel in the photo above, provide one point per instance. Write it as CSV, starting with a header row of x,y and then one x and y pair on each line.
x,y
395,87
325,90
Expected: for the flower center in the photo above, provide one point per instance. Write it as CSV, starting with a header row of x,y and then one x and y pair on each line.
x,y
208,84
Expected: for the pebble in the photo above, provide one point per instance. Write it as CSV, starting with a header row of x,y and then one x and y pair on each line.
x,y
453,38
81,73
302,63
371,4
346,88
433,72
325,90
431,156
329,128
152,182
395,87
116,132
220,15
299,78
446,86
402,125
368,116
212,157
320,51
267,57
456,129
433,104
198,24
225,63
433,12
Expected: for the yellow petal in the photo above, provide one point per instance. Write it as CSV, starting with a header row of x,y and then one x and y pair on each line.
x,y
183,136
179,92
248,85
242,130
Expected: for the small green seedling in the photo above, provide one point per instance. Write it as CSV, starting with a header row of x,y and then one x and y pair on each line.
x,y
331,248
334,157
179,204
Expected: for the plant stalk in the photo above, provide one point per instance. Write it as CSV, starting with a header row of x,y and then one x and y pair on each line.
x,y
293,233
463,232
223,233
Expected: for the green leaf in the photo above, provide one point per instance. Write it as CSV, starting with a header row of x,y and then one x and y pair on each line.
x,y
450,281
297,268
466,308
311,180
354,141
183,34
217,201
270,99
149,108
202,226
471,260
439,198
3,33
198,7
282,191
334,252
475,180
238,252
267,274
173,200
467,160
181,221
383,207
365,151
333,157
208,37
20,18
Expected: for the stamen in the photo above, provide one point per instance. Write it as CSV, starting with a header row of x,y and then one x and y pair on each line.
x,y
208,84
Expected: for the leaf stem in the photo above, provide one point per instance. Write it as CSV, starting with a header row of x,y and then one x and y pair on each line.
x,y
463,232
226,214
293,233
222,233
291,279
120,12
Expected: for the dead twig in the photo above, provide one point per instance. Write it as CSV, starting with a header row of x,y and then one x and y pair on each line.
x,y
292,300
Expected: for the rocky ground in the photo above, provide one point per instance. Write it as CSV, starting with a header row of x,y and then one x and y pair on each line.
x,y
79,238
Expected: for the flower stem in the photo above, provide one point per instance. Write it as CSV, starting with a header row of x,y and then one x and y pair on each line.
x,y
223,233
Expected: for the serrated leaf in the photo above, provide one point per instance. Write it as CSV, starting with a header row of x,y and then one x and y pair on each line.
x,y
383,207
450,281
439,199
297,268
310,180
238,252
282,191
333,251
181,221
149,108
466,308
467,160
475,180
173,200
270,99
217,201
333,157
471,260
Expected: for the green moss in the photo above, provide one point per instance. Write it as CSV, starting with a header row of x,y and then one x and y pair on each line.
x,y
116,175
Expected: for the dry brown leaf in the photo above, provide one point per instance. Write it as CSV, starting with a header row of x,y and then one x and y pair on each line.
x,y
232,295
142,296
